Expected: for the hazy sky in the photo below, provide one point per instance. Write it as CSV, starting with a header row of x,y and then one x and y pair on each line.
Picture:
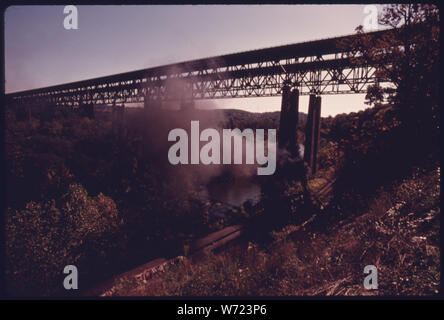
x,y
112,39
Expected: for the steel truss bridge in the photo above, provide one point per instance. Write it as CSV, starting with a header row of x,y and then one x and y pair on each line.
x,y
314,67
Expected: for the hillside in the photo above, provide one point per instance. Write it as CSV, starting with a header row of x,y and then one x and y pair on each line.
x,y
399,234
387,216
95,194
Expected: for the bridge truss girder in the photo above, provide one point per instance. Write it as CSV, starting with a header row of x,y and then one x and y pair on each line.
x,y
332,72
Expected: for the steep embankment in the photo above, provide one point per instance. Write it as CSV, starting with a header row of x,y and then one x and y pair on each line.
x,y
384,211
399,234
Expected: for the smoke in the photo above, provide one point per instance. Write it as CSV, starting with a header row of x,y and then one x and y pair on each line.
x,y
285,157
156,121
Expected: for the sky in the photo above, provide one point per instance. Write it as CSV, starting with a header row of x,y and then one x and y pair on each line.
x,y
40,52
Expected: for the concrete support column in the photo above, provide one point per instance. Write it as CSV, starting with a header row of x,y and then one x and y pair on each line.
x,y
292,122
312,132
283,134
309,127
317,132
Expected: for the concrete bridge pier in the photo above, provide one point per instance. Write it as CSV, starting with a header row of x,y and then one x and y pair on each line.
x,y
317,132
293,120
312,132
289,117
283,134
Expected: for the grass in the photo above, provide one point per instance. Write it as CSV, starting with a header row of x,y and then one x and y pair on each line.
x,y
399,234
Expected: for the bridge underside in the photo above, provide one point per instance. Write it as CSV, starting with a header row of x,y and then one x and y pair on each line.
x,y
265,80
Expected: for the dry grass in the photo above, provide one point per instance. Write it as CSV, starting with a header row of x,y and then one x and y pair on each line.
x,y
399,234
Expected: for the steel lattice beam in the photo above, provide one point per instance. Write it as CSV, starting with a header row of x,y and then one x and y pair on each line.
x,y
318,67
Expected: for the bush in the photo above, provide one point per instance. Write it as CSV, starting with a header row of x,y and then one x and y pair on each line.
x,y
42,238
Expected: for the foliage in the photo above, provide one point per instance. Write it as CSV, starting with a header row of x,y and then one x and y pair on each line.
x,y
407,57
412,50
44,237
159,206
399,234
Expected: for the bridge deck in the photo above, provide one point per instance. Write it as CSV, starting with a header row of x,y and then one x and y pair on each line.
x,y
319,66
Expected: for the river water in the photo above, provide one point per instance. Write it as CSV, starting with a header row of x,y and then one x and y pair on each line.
x,y
235,192
230,194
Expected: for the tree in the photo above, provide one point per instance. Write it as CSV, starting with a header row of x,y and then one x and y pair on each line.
x,y
407,57
43,237
375,95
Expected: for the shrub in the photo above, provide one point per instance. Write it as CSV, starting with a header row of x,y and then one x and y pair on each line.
x,y
44,237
